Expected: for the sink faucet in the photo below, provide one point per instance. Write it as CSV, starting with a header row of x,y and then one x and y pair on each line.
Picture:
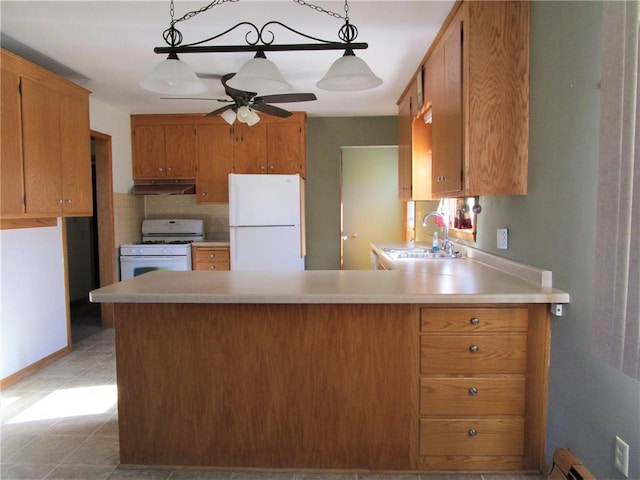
x,y
446,243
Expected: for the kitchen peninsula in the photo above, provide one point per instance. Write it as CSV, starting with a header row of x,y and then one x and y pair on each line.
x,y
439,368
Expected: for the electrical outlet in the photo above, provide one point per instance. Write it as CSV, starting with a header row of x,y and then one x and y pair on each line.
x,y
556,309
621,459
503,238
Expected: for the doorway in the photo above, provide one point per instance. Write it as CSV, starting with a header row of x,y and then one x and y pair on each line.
x,y
90,248
370,208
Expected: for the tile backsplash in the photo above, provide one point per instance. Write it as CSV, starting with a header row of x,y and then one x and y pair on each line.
x,y
216,216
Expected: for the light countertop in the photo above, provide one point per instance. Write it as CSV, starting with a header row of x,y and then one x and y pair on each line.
x,y
211,243
465,280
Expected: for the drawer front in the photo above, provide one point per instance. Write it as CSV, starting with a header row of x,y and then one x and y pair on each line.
x,y
472,396
212,255
504,436
212,266
471,320
473,354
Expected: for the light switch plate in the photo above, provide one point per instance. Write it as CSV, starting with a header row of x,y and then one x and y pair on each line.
x,y
503,238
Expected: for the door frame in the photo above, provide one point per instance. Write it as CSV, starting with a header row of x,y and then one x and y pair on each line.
x,y
105,218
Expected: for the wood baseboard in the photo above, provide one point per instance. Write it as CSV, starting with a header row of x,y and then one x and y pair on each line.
x,y
25,372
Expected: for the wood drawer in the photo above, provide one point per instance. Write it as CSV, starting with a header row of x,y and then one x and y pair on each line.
x,y
472,396
212,266
473,354
203,254
502,436
471,320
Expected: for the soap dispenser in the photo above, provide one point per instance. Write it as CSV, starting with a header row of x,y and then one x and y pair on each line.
x,y
435,246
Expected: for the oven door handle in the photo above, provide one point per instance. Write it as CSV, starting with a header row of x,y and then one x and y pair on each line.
x,y
137,258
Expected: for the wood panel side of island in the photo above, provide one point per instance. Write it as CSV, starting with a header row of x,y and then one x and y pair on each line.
x,y
268,386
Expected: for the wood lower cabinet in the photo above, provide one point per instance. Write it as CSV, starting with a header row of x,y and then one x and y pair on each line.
x,y
210,258
46,144
333,386
474,378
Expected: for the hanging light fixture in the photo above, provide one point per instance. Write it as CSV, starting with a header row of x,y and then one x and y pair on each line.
x,y
259,75
348,73
173,77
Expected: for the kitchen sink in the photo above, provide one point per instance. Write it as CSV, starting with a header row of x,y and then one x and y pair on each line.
x,y
418,253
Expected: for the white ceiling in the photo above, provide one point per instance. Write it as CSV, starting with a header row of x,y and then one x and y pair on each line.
x,y
107,46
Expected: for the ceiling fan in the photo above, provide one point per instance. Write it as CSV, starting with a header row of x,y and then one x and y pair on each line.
x,y
241,102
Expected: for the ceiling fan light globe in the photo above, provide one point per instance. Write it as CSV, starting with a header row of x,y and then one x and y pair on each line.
x,y
244,114
259,75
229,116
253,118
173,77
349,73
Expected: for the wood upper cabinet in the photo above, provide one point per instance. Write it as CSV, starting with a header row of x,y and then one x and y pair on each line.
x,y
496,97
414,147
164,151
476,85
208,149
215,162
249,148
274,145
46,161
444,84
11,167
404,146
286,146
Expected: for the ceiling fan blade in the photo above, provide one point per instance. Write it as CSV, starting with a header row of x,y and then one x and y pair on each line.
x,y
286,98
219,110
270,110
226,100
232,92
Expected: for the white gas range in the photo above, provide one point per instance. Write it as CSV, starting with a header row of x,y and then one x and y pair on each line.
x,y
166,245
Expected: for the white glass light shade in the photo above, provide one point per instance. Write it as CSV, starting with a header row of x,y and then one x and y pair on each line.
x,y
261,76
248,116
229,116
243,114
253,118
173,77
349,73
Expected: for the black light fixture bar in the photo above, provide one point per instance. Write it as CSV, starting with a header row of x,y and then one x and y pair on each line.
x,y
258,48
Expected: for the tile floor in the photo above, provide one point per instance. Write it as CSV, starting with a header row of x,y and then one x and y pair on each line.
x,y
61,423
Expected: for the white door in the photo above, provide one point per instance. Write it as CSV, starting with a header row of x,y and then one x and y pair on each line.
x,y
371,209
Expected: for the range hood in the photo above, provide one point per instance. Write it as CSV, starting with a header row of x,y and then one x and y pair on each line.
x,y
164,187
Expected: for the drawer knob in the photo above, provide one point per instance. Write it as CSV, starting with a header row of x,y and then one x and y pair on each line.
x,y
474,348
473,391
474,321
212,255
473,432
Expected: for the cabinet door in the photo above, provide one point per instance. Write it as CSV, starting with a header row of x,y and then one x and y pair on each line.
x,y
41,143
180,149
285,148
447,113
11,174
148,147
215,163
250,148
404,147
75,155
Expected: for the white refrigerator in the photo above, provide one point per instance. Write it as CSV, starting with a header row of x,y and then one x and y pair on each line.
x,y
266,222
